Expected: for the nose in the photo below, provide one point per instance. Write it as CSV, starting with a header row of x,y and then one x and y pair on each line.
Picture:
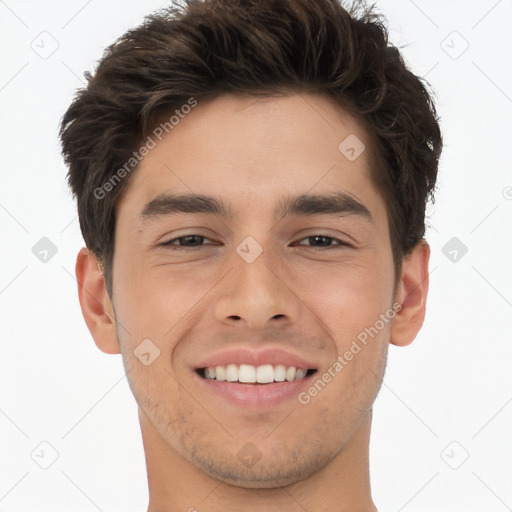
x,y
257,294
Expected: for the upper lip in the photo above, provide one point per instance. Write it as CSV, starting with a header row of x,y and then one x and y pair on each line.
x,y
243,355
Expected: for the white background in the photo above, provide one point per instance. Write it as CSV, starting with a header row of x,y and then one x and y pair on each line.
x,y
453,384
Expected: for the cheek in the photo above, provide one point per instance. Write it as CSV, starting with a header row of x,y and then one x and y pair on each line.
x,y
347,297
150,300
346,389
354,304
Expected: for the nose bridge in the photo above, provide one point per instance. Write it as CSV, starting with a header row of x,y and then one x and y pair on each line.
x,y
256,291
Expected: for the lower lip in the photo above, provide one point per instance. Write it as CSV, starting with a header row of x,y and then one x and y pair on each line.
x,y
256,396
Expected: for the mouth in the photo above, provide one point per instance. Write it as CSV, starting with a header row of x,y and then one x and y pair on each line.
x,y
250,374
254,380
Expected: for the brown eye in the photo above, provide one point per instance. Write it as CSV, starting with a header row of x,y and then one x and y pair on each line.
x,y
186,242
324,242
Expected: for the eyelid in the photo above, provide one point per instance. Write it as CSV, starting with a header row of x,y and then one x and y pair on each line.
x,y
340,242
184,232
169,242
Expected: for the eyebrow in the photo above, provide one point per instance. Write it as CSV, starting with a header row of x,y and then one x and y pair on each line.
x,y
335,203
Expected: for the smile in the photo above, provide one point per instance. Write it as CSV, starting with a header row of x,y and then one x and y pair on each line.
x,y
250,374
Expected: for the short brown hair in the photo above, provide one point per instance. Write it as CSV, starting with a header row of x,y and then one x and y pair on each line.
x,y
201,49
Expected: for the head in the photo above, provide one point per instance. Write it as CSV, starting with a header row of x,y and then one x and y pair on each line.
x,y
260,105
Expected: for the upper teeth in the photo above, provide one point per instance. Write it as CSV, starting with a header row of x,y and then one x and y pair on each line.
x,y
249,373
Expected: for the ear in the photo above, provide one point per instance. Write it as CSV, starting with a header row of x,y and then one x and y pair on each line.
x,y
97,308
412,295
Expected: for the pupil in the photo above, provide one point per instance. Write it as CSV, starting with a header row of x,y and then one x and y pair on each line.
x,y
191,238
325,239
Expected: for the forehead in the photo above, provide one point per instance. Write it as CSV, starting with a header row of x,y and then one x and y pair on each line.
x,y
254,149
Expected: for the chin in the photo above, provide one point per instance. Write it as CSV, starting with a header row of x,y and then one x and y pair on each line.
x,y
271,471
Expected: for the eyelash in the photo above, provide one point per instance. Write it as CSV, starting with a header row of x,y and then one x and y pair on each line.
x,y
341,243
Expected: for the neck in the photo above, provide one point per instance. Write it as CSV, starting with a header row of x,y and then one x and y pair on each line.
x,y
177,485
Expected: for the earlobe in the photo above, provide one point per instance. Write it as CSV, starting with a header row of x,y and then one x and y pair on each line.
x,y
97,308
412,295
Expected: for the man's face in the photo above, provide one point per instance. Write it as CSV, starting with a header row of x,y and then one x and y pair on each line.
x,y
259,287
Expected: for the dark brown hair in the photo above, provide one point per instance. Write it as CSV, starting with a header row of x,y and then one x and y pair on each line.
x,y
200,49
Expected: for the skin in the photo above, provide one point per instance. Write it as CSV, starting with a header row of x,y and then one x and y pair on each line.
x,y
249,151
